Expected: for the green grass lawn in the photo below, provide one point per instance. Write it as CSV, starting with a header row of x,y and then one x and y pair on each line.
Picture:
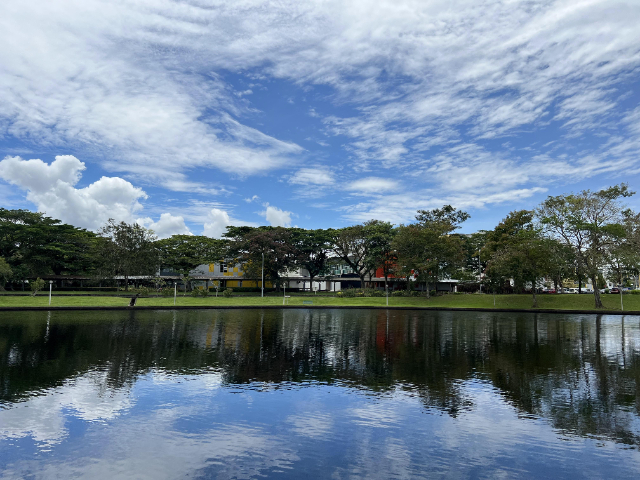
x,y
567,301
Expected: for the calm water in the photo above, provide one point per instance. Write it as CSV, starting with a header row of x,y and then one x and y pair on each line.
x,y
331,393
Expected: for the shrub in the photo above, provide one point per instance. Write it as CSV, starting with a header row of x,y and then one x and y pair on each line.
x,y
228,292
143,291
195,293
166,292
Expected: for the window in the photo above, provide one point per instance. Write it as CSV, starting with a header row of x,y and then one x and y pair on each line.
x,y
223,267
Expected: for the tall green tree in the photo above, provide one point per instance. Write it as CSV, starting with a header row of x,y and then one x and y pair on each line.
x,y
528,256
247,245
183,253
36,245
312,251
429,248
352,245
509,232
381,252
591,223
127,249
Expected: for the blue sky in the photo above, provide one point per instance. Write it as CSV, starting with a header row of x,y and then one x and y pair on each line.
x,y
188,116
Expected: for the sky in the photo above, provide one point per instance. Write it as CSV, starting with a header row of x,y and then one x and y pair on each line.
x,y
190,115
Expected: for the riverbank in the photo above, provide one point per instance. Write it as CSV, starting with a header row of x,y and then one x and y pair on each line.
x,y
573,303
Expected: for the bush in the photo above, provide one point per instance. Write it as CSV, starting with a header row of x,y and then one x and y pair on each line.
x,y
195,293
143,291
228,292
166,292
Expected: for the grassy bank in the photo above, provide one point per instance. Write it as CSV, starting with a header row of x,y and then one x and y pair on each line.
x,y
558,302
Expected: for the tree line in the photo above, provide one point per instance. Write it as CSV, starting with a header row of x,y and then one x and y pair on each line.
x,y
586,236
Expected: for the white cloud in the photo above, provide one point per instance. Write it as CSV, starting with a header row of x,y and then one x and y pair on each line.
x,y
372,185
52,189
312,176
139,84
251,199
218,220
166,226
277,217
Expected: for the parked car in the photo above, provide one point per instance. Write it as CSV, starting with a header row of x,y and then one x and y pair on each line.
x,y
615,290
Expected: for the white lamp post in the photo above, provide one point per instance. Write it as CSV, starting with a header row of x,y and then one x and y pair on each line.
x,y
175,291
262,294
50,287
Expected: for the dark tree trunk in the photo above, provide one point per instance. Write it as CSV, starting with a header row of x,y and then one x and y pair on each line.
x,y
596,291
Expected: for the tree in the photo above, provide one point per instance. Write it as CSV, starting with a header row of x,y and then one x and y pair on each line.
x,y
591,223
312,250
528,256
428,247
352,245
36,286
508,232
126,250
183,253
624,258
5,273
381,252
248,245
33,245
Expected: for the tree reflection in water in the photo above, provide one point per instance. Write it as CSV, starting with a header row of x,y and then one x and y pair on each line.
x,y
579,372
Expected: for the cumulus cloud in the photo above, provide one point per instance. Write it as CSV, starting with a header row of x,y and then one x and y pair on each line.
x,y
277,217
166,226
51,187
217,221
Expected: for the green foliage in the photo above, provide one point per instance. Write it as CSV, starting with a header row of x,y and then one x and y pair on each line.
x,y
127,249
197,292
33,245
592,224
228,292
5,273
249,244
312,249
167,292
428,249
183,253
37,285
143,291
360,293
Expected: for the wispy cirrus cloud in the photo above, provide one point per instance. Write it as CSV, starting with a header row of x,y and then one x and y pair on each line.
x,y
412,91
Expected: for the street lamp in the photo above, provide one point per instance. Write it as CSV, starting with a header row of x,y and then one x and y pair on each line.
x,y
262,294
175,292
50,287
